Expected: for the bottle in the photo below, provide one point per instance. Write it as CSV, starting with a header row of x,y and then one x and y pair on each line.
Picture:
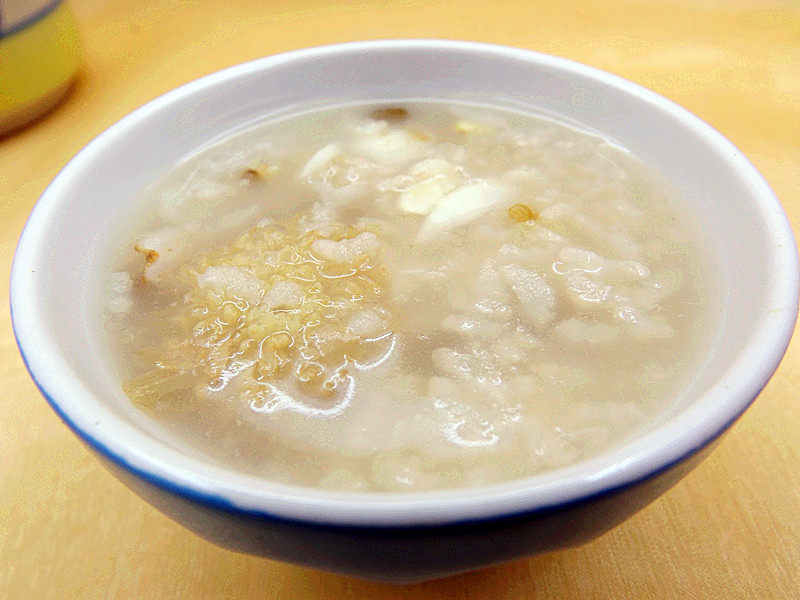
x,y
39,58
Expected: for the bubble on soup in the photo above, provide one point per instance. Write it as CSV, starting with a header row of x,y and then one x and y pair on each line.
x,y
406,297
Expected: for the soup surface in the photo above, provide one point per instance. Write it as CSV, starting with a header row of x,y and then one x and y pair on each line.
x,y
406,297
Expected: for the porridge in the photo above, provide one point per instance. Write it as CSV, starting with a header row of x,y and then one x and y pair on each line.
x,y
406,297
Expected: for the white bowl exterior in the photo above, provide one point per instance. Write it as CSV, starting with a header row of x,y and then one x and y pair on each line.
x,y
58,258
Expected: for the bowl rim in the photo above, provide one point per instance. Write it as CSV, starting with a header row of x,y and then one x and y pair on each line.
x,y
657,451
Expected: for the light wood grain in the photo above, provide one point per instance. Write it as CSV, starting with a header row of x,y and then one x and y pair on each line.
x,y
729,530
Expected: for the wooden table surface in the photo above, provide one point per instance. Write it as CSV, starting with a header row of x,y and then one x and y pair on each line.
x,y
731,529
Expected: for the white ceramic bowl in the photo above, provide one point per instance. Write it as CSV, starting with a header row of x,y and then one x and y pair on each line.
x,y
402,537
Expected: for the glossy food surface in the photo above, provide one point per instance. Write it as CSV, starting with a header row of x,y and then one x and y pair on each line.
x,y
406,297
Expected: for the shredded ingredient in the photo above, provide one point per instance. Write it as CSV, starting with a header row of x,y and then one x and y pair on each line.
x,y
393,114
150,256
270,308
521,213
259,173
468,127
251,174
158,385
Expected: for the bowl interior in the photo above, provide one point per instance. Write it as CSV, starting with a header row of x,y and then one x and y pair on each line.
x,y
61,254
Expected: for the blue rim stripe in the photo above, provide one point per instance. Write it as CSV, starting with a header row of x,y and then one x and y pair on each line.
x,y
29,20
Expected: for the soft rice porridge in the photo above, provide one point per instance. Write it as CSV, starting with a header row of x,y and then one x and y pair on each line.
x,y
406,297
